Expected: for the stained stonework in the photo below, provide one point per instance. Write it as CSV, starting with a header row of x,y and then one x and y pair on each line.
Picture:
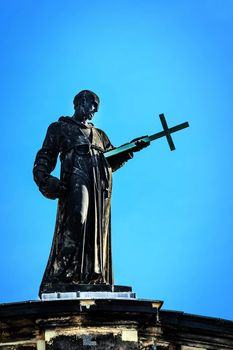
x,y
108,324
90,341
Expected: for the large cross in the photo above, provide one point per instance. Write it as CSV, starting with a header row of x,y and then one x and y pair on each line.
x,y
131,146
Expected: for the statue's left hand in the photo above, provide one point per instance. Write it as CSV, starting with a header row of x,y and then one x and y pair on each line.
x,y
140,144
53,188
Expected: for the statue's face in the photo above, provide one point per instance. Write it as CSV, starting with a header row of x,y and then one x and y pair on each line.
x,y
86,107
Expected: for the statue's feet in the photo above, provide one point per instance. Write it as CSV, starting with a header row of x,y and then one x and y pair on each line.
x,y
97,278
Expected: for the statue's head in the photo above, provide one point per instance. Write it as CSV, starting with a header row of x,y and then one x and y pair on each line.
x,y
86,103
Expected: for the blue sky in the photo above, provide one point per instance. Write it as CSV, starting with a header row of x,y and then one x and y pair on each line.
x,y
172,216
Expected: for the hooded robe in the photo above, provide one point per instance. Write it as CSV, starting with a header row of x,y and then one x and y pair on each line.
x,y
81,248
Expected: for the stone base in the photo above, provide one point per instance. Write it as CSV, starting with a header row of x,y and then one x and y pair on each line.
x,y
88,295
74,290
88,291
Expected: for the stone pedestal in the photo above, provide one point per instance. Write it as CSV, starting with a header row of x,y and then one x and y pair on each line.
x,y
88,291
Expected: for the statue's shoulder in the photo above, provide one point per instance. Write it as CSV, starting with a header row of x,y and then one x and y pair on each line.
x,y
62,123
102,133
53,127
64,120
57,126
105,140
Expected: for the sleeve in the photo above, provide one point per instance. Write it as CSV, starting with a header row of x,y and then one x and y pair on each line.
x,y
46,159
117,161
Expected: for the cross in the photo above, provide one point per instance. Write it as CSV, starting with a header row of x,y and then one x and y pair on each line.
x,y
131,146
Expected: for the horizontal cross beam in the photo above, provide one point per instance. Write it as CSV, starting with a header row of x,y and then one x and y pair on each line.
x,y
131,146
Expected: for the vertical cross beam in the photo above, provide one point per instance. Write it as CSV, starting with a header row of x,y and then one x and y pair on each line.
x,y
167,132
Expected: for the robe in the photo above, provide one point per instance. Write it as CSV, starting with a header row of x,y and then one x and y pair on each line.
x,y
81,248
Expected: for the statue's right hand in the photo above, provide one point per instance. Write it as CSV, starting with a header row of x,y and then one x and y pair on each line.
x,y
140,144
53,188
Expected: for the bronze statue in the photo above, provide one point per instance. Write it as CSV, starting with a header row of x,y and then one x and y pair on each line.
x,y
81,248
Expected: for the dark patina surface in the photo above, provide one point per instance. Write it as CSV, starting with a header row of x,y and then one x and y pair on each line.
x,y
81,248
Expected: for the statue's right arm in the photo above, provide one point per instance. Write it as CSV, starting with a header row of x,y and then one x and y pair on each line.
x,y
117,161
45,162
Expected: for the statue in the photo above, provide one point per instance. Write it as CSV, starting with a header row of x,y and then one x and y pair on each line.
x,y
81,248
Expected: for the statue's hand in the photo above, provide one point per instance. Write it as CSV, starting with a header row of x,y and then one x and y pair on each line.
x,y
140,144
53,188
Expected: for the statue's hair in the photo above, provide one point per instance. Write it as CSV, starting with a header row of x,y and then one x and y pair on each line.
x,y
86,93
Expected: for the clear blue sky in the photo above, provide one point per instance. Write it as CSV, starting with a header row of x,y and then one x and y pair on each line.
x,y
172,211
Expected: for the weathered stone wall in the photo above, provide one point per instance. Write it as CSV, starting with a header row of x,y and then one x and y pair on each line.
x,y
108,324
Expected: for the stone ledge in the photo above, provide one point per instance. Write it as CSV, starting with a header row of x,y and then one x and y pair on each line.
x,y
75,306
